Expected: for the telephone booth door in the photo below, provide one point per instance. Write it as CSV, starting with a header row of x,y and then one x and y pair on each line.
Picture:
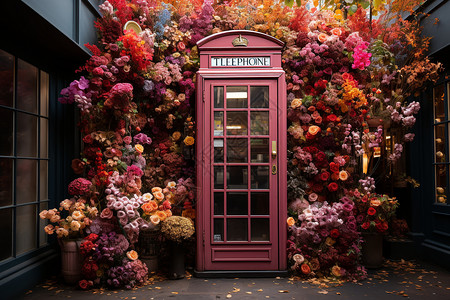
x,y
240,153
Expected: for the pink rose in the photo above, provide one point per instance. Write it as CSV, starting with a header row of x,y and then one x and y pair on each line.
x,y
106,214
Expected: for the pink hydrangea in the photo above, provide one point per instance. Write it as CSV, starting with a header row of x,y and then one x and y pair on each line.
x,y
80,186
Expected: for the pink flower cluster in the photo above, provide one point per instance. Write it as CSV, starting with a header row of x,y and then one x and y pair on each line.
x,y
361,57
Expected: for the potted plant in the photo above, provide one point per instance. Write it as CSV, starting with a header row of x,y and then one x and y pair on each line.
x,y
373,214
177,229
69,224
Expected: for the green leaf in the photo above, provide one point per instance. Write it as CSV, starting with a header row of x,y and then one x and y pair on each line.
x,y
299,2
289,3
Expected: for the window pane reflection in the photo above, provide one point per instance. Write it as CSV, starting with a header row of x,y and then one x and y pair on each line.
x,y
260,229
237,177
237,97
237,123
26,135
218,123
26,228
441,183
260,203
237,150
439,103
237,229
237,203
260,177
259,97
218,177
218,150
6,224
218,203
6,131
27,79
218,97
6,79
26,176
218,230
259,150
259,123
6,181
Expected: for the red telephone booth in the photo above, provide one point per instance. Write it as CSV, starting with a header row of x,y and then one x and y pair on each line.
x,y
241,155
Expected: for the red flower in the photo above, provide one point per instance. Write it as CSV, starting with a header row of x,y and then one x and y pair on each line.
x,y
332,187
88,139
331,118
317,187
334,233
324,176
320,156
371,211
305,269
365,225
334,167
84,284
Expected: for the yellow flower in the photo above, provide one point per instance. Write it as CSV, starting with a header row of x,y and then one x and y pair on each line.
x,y
296,103
139,148
189,141
176,135
336,271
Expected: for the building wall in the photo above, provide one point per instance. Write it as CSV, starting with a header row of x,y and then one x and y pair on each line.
x,y
48,35
430,224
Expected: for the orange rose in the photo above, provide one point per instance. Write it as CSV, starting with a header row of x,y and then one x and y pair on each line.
x,y
322,37
176,135
162,215
132,255
189,141
336,271
336,31
313,130
290,221
159,196
375,202
156,189
148,207
139,148
168,212
343,175
305,269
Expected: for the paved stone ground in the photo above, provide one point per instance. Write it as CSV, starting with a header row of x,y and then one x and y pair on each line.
x,y
396,280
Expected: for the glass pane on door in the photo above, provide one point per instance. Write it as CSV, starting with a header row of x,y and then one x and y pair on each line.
x,y
237,229
237,97
259,97
237,150
237,123
259,123
237,177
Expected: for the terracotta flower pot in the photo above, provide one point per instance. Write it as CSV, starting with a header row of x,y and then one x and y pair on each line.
x,y
71,260
372,250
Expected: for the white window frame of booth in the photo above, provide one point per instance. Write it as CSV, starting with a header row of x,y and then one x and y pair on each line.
x,y
25,233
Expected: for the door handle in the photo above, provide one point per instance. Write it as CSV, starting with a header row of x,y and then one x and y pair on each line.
x,y
274,149
274,169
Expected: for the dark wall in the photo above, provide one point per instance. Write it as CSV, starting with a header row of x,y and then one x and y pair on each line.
x,y
48,34
430,224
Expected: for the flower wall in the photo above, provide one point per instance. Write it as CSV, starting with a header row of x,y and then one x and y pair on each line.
x,y
136,92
